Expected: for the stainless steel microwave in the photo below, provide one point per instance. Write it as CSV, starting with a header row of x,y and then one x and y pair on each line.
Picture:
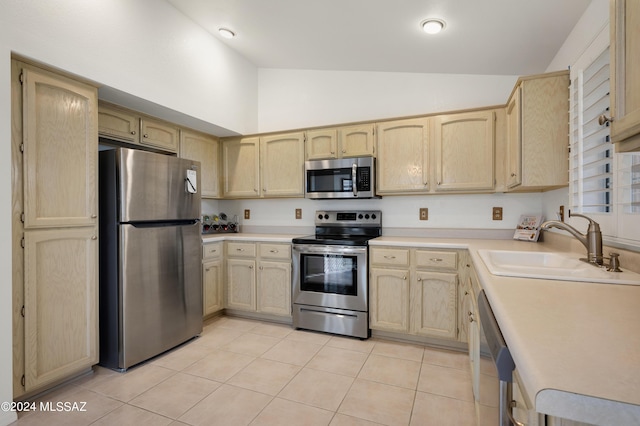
x,y
340,178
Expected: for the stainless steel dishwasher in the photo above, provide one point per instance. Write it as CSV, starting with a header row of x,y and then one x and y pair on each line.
x,y
501,358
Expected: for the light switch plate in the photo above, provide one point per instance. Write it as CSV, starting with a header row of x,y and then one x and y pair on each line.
x,y
247,214
298,213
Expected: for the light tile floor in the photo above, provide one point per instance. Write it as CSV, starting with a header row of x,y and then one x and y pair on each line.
x,y
244,372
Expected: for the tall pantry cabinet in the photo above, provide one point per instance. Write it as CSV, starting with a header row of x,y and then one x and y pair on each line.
x,y
55,227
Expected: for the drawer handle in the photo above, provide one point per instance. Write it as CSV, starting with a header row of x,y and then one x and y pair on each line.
x,y
273,251
389,257
213,251
436,259
239,249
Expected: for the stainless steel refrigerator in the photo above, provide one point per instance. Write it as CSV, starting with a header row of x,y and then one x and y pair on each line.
x,y
150,255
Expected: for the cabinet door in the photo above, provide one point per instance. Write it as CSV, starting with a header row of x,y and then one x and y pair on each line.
x,y
433,304
403,157
60,120
61,304
274,288
282,165
212,287
356,141
159,135
241,284
464,151
625,80
389,299
116,124
514,140
240,168
206,150
321,144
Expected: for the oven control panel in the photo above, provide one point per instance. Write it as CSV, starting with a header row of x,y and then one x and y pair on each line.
x,y
348,217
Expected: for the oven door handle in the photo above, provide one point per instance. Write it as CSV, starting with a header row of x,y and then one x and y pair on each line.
x,y
337,250
354,182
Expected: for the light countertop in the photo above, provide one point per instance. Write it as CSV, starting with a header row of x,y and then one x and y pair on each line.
x,y
576,345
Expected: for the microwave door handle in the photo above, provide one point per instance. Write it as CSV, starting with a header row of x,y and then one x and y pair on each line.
x,y
354,174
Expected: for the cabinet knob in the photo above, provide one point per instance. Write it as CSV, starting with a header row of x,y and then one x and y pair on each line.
x,y
436,259
145,135
239,249
333,152
133,132
471,319
404,278
344,151
273,251
513,175
250,266
93,216
439,183
207,269
264,189
94,237
419,279
603,119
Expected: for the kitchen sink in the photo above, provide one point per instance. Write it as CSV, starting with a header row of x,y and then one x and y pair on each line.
x,y
551,266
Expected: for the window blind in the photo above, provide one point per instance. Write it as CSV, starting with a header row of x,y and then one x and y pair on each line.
x,y
591,149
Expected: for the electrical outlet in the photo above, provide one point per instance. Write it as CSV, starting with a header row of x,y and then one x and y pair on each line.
x,y
561,213
298,213
247,214
497,213
424,213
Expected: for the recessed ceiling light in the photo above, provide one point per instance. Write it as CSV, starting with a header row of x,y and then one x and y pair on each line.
x,y
432,25
226,33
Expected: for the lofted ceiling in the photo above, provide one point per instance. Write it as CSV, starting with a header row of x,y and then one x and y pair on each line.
x,y
498,37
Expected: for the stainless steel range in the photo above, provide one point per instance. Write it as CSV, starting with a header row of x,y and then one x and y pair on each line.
x,y
330,273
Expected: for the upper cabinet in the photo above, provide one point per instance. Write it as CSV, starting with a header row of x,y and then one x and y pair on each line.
x,y
625,78
205,149
464,147
127,126
403,157
260,167
537,153
340,142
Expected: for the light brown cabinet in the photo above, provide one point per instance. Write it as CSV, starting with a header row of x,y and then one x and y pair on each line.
x,y
340,142
269,166
127,126
414,291
55,231
625,78
212,277
537,156
403,157
259,277
464,151
205,149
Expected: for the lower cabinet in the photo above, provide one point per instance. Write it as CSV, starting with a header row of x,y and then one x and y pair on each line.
x,y
259,277
212,278
414,291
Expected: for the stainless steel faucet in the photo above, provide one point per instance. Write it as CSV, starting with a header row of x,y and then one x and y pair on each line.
x,y
592,240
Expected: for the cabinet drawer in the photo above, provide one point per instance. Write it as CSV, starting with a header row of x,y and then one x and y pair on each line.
x,y
275,251
235,249
211,250
436,259
389,256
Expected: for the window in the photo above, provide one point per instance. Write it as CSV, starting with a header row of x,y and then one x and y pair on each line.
x,y
603,184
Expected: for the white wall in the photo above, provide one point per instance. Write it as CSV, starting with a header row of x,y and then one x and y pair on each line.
x,y
143,48
291,99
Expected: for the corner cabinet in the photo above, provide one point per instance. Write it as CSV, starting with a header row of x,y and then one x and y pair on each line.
x,y
263,167
537,155
625,78
414,291
464,146
403,157
55,227
205,149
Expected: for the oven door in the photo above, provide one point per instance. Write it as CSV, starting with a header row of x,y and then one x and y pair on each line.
x,y
330,276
